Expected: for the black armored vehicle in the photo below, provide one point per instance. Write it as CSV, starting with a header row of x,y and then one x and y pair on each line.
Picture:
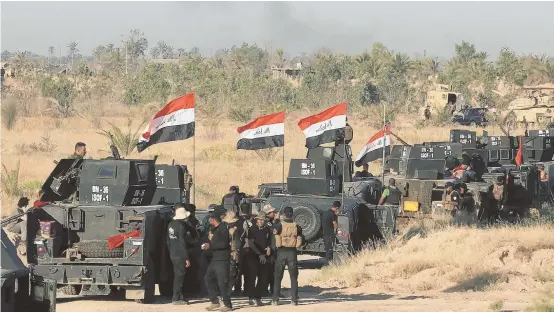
x,y
102,226
422,170
314,183
22,291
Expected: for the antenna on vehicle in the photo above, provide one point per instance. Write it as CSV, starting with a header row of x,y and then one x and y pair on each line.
x,y
155,158
173,162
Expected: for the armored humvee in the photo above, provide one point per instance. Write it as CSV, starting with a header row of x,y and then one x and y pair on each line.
x,y
314,183
21,290
419,169
91,203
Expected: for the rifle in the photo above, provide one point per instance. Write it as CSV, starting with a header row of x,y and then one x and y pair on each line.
x,y
11,219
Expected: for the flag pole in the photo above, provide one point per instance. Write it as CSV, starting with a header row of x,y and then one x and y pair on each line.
x,y
384,142
194,164
283,185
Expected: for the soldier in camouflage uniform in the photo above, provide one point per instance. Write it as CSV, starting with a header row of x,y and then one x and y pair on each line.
x,y
235,233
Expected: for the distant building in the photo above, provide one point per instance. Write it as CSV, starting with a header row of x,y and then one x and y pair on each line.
x,y
286,72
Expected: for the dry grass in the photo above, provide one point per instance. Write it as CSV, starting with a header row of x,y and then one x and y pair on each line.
x,y
431,257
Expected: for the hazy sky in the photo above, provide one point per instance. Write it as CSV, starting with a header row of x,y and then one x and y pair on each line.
x,y
411,27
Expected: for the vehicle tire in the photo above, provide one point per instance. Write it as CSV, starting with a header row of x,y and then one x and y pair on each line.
x,y
309,219
71,290
98,249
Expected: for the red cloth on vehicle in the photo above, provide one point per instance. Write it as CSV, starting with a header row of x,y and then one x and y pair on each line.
x,y
117,240
38,204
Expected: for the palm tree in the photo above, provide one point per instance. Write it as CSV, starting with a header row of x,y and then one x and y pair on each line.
x,y
72,50
51,50
401,63
433,66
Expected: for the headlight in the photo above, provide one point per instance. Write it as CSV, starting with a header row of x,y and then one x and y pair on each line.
x,y
16,286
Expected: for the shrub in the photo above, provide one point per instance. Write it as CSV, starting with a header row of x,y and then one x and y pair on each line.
x,y
125,140
9,113
10,181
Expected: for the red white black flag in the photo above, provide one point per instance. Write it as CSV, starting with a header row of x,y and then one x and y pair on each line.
x,y
373,150
174,122
325,127
263,132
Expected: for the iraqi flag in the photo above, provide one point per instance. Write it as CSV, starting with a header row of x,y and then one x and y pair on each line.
x,y
174,122
263,132
373,150
325,127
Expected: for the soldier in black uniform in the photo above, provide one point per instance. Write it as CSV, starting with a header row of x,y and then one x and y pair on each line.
x,y
231,201
193,278
217,275
329,224
288,237
178,251
259,241
391,195
272,221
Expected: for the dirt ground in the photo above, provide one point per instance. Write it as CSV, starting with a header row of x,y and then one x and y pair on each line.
x,y
318,299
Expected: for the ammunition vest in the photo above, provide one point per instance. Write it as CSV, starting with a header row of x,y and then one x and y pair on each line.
x,y
448,199
289,236
394,196
498,191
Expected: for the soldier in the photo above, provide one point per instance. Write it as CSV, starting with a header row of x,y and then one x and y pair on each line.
x,y
364,173
234,237
259,242
217,275
80,151
245,222
272,221
451,198
288,237
466,211
427,112
495,200
193,277
178,251
348,135
391,195
231,201
329,223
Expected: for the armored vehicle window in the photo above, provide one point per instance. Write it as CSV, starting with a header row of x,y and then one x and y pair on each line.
x,y
142,170
107,173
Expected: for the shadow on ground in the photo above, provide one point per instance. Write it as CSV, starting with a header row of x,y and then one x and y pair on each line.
x,y
478,283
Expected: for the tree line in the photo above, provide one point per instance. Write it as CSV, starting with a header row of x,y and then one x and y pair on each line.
x,y
237,82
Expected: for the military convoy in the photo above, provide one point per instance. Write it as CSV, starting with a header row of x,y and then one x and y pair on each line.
x,y
419,169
